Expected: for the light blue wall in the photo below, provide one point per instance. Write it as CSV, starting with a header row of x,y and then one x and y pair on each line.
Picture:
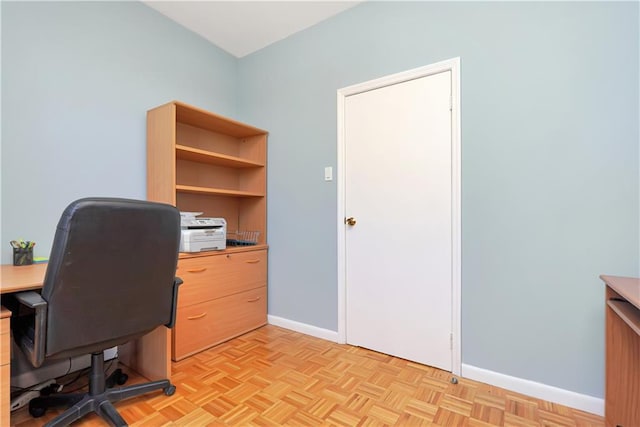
x,y
1,238
549,137
550,174
77,80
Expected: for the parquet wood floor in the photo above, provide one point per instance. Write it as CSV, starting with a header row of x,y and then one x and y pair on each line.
x,y
273,376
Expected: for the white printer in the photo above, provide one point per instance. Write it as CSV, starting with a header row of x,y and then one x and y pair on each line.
x,y
202,234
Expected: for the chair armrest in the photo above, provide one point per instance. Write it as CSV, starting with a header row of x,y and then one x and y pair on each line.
x,y
34,347
31,299
174,306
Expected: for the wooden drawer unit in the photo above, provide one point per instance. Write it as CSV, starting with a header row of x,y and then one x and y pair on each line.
x,y
5,366
216,276
199,161
206,324
224,295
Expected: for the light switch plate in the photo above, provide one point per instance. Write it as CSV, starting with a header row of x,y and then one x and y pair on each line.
x,y
328,173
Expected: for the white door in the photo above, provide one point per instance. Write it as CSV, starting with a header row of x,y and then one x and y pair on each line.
x,y
398,189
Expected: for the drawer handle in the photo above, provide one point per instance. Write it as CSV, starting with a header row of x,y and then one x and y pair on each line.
x,y
252,261
197,270
253,299
199,316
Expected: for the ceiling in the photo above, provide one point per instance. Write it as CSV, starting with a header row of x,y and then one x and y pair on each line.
x,y
243,27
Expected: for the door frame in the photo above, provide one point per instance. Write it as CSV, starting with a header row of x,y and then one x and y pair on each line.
x,y
452,65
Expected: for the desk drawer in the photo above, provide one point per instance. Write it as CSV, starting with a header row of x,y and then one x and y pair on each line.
x,y
5,336
204,325
5,365
5,350
5,316
209,277
5,401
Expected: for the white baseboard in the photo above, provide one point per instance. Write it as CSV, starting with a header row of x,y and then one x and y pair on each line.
x,y
303,328
572,399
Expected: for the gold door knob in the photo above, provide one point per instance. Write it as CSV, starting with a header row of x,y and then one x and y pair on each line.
x,y
350,221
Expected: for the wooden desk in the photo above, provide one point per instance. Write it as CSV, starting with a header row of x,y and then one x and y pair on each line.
x,y
150,355
13,279
23,278
622,390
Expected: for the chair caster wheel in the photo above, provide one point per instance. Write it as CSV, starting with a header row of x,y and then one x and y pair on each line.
x,y
170,390
116,378
454,380
122,378
36,411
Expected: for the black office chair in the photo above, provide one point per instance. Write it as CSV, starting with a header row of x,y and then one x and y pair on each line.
x,y
110,279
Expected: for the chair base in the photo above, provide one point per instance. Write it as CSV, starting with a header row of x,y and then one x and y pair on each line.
x,y
100,399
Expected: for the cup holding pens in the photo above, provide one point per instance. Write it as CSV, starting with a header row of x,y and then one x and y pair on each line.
x,y
22,252
22,256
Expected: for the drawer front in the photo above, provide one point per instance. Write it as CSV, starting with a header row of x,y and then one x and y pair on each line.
x,y
210,277
4,320
5,349
5,338
5,401
204,325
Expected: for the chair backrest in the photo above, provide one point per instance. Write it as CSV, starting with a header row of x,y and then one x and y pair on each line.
x,y
110,274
